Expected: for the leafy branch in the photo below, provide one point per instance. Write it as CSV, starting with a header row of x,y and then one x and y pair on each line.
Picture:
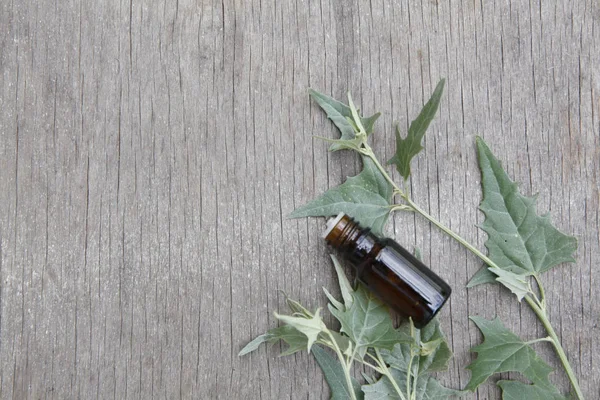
x,y
521,244
404,358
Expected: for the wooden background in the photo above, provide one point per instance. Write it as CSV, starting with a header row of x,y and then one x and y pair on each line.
x,y
150,153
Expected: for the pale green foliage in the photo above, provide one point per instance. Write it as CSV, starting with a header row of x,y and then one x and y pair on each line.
x,y
518,284
366,330
521,244
503,351
311,327
345,286
367,321
365,197
410,146
295,340
420,352
335,376
515,390
519,240
425,387
341,115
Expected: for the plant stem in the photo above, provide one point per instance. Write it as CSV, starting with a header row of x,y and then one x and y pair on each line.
x,y
409,373
452,234
369,153
544,339
346,366
538,306
541,314
387,373
542,293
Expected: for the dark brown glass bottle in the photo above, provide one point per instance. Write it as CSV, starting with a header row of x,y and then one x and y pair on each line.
x,y
390,271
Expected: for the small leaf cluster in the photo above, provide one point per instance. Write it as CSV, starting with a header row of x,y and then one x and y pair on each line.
x,y
402,358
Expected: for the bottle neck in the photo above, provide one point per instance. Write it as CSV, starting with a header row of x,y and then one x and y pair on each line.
x,y
345,235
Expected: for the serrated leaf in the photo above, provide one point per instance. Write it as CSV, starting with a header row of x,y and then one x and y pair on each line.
x,y
484,275
254,344
365,197
343,342
409,147
503,351
310,327
518,284
432,347
296,307
345,286
339,114
519,240
369,379
438,352
515,390
367,321
295,340
334,375
334,302
427,388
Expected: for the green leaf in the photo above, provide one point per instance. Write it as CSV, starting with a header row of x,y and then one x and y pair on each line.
x,y
430,389
339,114
518,284
365,197
427,388
484,275
343,342
295,339
334,302
503,351
515,390
437,353
367,321
345,286
310,327
334,375
296,307
519,240
409,147
253,345
434,352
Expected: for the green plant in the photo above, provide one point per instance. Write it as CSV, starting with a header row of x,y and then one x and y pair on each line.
x,y
404,357
521,245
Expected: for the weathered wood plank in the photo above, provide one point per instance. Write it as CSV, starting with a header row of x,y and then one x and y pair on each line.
x,y
150,153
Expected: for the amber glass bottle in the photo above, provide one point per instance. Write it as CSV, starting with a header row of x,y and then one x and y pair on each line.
x,y
389,270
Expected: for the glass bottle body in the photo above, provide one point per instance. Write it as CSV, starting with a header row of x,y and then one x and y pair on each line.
x,y
390,271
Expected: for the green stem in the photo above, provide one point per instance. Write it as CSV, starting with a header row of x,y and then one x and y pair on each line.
x,y
544,339
388,374
367,151
452,234
538,307
542,293
409,373
346,366
541,314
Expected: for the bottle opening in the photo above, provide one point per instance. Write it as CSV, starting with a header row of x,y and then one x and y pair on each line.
x,y
331,223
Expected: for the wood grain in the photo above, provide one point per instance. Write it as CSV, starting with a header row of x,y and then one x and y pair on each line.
x,y
151,151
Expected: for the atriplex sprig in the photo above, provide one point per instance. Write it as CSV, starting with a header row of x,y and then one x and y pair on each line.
x,y
512,223
521,245
535,302
404,358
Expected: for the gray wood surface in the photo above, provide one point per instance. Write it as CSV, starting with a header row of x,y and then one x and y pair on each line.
x,y
150,153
